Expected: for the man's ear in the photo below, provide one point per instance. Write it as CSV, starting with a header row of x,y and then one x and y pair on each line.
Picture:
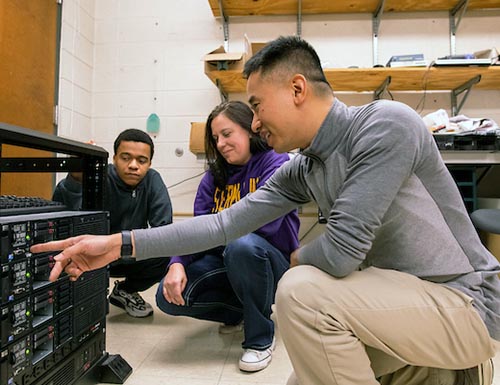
x,y
299,87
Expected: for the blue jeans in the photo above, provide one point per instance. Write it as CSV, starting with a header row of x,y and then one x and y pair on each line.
x,y
236,284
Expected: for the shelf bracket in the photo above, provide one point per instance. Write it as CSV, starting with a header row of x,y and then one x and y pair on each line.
x,y
225,26
222,93
456,15
466,87
377,16
222,65
299,18
382,88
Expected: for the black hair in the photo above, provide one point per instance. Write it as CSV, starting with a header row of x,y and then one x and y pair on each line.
x,y
241,114
134,135
289,54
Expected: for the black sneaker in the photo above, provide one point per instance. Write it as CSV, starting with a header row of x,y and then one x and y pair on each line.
x,y
133,303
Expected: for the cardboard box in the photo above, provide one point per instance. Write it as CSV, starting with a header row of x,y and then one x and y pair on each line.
x,y
251,48
492,243
197,138
220,60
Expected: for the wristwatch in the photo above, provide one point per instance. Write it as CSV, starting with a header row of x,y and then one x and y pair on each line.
x,y
126,250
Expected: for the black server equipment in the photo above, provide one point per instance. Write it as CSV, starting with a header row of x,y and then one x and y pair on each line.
x,y
51,332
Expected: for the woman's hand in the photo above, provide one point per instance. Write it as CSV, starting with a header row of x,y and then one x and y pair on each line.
x,y
174,284
294,258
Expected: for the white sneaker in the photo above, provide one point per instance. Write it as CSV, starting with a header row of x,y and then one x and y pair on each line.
x,y
254,360
230,329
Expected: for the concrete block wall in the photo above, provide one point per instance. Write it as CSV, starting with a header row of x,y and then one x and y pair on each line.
x,y
76,69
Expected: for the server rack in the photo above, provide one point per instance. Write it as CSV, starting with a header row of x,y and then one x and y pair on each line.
x,y
53,333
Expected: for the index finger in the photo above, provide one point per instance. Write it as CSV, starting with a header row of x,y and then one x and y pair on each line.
x,y
56,271
179,300
54,245
177,294
166,295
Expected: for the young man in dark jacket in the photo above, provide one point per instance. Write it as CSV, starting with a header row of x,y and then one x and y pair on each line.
x,y
136,198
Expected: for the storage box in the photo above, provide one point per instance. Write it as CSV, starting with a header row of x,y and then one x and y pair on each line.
x,y
197,138
220,60
470,142
252,48
492,243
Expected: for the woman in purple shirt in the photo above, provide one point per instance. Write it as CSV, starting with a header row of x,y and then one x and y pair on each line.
x,y
234,284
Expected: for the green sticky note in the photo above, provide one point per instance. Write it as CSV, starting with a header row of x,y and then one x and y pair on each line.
x,y
153,124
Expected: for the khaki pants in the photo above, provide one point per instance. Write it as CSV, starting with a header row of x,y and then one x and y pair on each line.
x,y
353,330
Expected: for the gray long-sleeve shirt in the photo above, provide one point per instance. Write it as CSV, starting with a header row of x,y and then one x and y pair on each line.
x,y
391,203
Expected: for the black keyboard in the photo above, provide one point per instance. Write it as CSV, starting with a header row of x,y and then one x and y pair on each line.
x,y
16,205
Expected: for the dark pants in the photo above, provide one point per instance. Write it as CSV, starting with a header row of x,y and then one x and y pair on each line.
x,y
237,284
139,275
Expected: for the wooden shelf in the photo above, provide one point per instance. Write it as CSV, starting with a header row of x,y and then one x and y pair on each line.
x,y
369,79
289,7
364,79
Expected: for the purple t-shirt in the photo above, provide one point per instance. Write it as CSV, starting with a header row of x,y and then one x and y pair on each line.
x,y
282,233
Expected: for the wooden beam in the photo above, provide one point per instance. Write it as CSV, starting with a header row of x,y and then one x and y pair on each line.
x,y
289,7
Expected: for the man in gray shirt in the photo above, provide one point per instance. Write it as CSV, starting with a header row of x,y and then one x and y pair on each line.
x,y
399,288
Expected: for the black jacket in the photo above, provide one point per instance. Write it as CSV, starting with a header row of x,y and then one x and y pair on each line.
x,y
146,205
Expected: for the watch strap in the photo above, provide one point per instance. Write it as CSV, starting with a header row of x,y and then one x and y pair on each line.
x,y
126,249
